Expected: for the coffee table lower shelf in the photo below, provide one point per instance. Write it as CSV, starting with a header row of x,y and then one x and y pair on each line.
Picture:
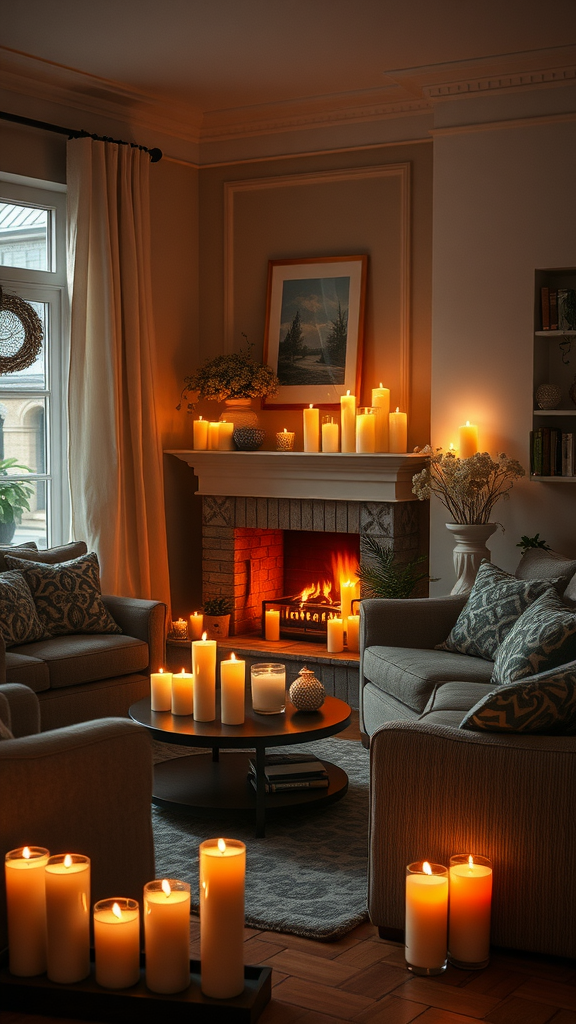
x,y
197,783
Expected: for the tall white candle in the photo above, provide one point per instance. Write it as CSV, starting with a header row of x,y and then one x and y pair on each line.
x,y
381,402
222,881
232,690
468,440
160,690
347,594
68,917
426,917
200,433
311,417
213,434
398,425
353,632
204,669
117,943
366,430
196,625
330,435
167,935
348,422
26,907
272,624
268,687
470,906
335,639
182,693
225,436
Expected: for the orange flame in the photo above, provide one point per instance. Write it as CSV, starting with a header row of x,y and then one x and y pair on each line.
x,y
426,868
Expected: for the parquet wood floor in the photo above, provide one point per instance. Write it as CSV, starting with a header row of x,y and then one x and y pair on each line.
x,y
361,978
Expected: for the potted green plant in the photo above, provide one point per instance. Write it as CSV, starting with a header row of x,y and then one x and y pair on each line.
x,y
382,576
14,499
216,622
235,379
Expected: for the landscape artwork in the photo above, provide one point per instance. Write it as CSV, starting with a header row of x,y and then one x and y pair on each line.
x,y
314,320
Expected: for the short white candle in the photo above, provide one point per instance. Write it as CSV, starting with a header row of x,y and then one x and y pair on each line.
x,y
204,669
68,917
470,906
196,625
353,632
426,916
366,431
232,690
398,425
272,624
225,436
26,908
381,402
222,881
330,435
213,434
167,935
348,422
268,685
468,440
311,429
200,434
160,690
117,943
335,639
182,693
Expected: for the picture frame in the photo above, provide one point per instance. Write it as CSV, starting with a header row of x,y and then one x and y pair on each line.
x,y
314,329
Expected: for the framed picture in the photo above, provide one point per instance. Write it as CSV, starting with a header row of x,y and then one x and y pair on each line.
x,y
314,328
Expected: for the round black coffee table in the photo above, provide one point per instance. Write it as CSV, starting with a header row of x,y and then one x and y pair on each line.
x,y
204,784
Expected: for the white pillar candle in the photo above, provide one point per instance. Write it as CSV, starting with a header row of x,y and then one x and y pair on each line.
x,y
196,625
200,434
182,693
353,632
213,434
222,881
232,690
26,908
268,686
225,436
160,690
347,594
68,917
426,917
468,440
398,426
469,914
335,640
167,935
311,418
117,943
381,402
348,422
330,435
204,669
272,624
366,430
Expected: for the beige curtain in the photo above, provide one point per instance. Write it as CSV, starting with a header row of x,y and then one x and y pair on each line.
x,y
114,449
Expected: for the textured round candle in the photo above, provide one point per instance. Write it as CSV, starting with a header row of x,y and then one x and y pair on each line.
x,y
167,935
117,943
222,879
285,440
68,917
470,907
180,629
26,907
426,917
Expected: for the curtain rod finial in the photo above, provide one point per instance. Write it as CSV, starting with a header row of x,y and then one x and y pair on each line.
x,y
155,156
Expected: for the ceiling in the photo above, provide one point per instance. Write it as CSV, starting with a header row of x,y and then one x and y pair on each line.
x,y
217,55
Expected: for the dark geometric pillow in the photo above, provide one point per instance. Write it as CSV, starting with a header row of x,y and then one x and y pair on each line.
x,y
543,637
495,602
19,622
67,596
545,703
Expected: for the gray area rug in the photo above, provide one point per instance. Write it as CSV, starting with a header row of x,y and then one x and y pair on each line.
x,y
308,876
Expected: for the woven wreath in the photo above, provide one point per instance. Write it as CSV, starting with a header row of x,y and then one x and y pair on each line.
x,y
21,334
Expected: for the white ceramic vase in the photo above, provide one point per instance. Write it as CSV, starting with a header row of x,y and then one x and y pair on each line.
x,y
239,411
469,550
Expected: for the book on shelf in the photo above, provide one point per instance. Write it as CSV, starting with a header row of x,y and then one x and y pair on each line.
x,y
555,452
568,467
545,300
552,452
553,302
566,307
284,767
285,787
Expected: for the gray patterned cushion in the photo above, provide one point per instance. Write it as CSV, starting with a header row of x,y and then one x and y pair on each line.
x,y
543,637
67,596
537,564
495,602
19,622
545,703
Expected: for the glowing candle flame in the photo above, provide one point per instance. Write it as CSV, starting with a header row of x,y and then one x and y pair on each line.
x,y
380,383
67,861
166,887
182,672
310,406
26,853
467,423
426,868
116,911
285,431
161,670
470,861
204,636
222,846
232,656
397,408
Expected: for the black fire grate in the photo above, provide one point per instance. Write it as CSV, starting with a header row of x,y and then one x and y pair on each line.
x,y
301,620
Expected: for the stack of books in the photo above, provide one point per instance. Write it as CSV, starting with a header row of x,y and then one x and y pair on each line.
x,y
284,772
552,453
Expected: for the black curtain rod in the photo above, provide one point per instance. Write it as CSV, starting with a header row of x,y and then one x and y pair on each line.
x,y
74,133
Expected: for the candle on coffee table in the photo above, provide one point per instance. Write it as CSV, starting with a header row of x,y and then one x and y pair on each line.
x,y
204,669
182,693
232,690
160,690
268,682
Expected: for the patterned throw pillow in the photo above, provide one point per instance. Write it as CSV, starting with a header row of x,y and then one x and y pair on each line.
x,y
538,564
545,703
543,637
67,596
19,622
495,602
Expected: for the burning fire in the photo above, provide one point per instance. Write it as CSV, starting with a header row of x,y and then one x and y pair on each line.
x,y
344,568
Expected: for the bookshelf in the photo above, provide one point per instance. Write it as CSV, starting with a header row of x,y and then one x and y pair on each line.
x,y
554,430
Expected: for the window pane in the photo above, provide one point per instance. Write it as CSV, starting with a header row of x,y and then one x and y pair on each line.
x,y
33,524
23,432
23,236
34,376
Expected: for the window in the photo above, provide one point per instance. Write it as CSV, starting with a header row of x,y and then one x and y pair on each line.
x,y
32,401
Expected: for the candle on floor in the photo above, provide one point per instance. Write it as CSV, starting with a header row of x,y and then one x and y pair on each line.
x,y
160,690
348,422
366,430
200,434
330,434
213,434
426,917
232,690
268,686
311,417
117,943
167,935
381,402
222,882
26,908
68,917
335,638
469,914
182,693
272,624
285,440
468,440
225,436
353,632
398,427
204,669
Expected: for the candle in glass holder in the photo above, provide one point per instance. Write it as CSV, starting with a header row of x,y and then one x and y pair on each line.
x,y
335,635
226,436
268,685
26,908
353,632
311,418
222,875
330,434
381,402
468,440
68,917
398,427
426,918
213,434
196,625
204,669
200,433
272,624
167,935
232,690
285,440
117,943
469,915
160,690
180,629
348,422
366,430
182,693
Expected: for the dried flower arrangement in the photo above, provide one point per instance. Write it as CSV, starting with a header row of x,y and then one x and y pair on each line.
x,y
468,488
235,375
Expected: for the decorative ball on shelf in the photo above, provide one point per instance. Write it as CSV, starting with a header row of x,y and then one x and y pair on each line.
x,y
307,692
548,396
249,439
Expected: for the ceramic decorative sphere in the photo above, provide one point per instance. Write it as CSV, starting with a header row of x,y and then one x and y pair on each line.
x,y
249,439
307,692
548,396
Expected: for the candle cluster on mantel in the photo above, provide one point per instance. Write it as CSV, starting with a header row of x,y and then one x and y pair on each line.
x,y
214,435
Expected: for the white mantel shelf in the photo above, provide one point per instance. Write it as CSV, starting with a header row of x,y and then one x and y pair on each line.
x,y
340,476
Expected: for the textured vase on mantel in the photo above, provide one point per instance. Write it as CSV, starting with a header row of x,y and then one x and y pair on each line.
x,y
469,550
239,411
